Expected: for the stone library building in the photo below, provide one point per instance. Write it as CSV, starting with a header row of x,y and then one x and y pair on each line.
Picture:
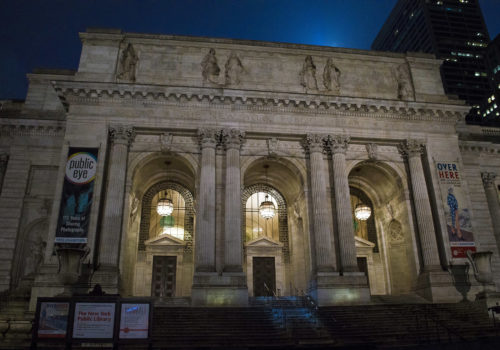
x,y
216,173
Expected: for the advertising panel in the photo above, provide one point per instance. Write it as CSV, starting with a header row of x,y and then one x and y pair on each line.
x,y
458,220
134,321
76,199
94,320
53,319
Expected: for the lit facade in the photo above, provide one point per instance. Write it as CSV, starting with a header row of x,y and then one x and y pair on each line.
x,y
215,128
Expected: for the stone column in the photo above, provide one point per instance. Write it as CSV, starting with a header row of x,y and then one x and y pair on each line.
x,y
412,150
325,257
233,252
4,158
205,216
338,145
121,136
493,204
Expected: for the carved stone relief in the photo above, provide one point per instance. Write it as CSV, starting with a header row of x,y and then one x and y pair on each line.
x,y
395,232
403,78
272,147
127,64
210,68
166,140
371,149
234,70
331,77
308,74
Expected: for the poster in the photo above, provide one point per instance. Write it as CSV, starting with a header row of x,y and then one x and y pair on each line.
x,y
53,319
76,199
94,320
134,321
458,220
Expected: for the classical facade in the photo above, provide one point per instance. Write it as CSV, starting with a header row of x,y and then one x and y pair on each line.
x,y
224,169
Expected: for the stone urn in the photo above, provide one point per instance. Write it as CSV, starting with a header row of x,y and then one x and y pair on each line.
x,y
70,261
481,263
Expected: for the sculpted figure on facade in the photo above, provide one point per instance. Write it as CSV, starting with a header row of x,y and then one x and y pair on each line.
x,y
405,89
234,69
209,68
331,77
128,64
308,74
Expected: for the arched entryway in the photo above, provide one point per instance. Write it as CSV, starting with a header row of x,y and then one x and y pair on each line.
x,y
276,249
384,242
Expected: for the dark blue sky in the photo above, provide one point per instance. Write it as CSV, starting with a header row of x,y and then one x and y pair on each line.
x,y
44,33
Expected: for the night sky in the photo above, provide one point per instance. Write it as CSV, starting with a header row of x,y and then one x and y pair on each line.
x,y
44,33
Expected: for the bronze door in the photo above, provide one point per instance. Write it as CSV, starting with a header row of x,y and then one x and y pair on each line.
x,y
264,277
163,281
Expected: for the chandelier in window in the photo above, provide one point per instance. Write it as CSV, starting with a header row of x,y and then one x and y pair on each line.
x,y
266,208
165,206
362,212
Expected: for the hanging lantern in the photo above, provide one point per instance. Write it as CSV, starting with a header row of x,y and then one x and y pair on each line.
x,y
362,212
267,209
165,206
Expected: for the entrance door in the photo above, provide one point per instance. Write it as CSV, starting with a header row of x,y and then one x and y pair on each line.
x,y
264,277
163,281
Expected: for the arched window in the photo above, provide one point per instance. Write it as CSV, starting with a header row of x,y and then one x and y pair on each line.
x,y
255,225
172,224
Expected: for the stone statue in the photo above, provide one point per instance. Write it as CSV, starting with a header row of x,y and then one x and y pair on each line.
x,y
209,68
128,63
331,77
308,74
405,89
234,69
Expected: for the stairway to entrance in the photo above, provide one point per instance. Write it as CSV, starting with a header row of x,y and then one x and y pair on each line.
x,y
284,323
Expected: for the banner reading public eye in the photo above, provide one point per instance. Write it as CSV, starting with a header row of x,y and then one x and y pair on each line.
x,y
76,199
458,221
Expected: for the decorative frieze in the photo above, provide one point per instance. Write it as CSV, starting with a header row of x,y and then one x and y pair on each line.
x,y
289,103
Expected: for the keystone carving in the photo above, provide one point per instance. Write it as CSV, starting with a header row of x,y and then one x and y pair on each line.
x,y
371,149
166,140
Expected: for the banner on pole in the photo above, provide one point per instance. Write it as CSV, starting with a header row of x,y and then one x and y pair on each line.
x,y
458,221
76,199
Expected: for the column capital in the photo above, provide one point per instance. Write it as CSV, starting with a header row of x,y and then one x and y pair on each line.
x,y
232,138
315,142
488,179
208,137
121,134
338,143
411,148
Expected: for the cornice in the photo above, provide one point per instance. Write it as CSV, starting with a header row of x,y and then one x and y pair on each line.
x,y
478,146
16,127
91,93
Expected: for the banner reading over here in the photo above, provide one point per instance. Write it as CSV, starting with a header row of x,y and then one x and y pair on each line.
x,y
76,200
458,221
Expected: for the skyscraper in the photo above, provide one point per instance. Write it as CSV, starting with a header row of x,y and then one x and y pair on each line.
x,y
453,30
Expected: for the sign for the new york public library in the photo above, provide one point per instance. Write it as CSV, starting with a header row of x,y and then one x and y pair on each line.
x,y
76,199
458,219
